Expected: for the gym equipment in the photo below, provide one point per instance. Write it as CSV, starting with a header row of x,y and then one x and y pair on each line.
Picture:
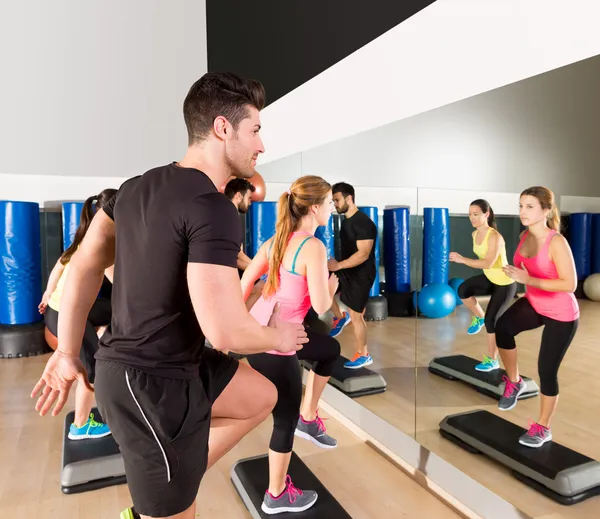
x,y
90,464
261,189
353,382
461,367
71,216
20,263
396,249
454,284
250,477
436,300
436,245
22,340
325,234
260,225
376,309
596,243
591,287
580,239
558,472
371,212
400,304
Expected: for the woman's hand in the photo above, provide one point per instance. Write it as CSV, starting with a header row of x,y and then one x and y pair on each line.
x,y
44,303
520,275
456,257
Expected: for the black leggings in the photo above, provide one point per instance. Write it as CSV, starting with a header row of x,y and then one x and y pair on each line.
x,y
99,315
284,372
556,339
502,295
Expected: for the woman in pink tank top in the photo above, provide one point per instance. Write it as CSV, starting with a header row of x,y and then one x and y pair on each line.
x,y
543,262
298,278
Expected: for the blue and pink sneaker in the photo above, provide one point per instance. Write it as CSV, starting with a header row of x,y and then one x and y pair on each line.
x,y
339,324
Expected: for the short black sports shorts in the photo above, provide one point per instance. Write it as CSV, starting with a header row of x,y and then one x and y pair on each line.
x,y
354,289
161,426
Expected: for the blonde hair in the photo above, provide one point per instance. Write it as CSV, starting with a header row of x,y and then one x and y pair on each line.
x,y
293,205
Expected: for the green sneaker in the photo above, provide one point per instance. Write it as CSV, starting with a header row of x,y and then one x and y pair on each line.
x,y
476,325
488,364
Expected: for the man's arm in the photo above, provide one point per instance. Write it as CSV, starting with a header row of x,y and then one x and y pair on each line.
x,y
243,260
216,295
95,254
360,256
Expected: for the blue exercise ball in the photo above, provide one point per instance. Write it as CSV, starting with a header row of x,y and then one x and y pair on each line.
x,y
455,283
436,300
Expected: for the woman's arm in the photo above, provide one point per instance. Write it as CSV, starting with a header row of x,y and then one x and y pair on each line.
x,y
258,266
561,255
494,244
51,286
317,276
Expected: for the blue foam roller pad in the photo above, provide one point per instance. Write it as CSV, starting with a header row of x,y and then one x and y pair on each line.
x,y
396,249
580,239
436,245
595,243
20,262
326,235
371,212
260,225
71,216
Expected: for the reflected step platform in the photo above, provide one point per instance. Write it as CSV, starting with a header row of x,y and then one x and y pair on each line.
x,y
90,464
461,367
250,477
556,471
353,382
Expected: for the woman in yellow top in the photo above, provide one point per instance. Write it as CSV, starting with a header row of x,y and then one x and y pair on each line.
x,y
84,426
490,249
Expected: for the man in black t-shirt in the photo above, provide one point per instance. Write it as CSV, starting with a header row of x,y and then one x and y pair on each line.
x,y
174,241
356,271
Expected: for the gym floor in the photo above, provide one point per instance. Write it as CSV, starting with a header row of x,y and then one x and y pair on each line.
x,y
363,481
397,342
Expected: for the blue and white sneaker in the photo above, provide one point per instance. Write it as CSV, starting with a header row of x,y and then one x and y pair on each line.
x,y
359,361
476,325
339,324
90,429
488,364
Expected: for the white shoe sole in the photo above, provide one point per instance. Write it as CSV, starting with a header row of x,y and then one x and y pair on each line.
x,y
88,437
487,370
282,509
549,438
516,399
311,439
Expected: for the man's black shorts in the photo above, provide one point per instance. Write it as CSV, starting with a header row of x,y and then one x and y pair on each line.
x,y
354,289
161,426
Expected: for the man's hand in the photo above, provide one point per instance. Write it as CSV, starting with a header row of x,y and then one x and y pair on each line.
x,y
333,265
59,374
293,336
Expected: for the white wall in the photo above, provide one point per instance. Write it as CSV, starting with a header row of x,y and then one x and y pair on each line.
x,y
95,89
451,50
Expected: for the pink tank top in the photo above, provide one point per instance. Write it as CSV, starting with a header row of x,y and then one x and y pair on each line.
x,y
292,295
561,306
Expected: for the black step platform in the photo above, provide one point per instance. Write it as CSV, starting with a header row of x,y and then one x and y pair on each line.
x,y
250,477
90,464
556,471
461,367
353,382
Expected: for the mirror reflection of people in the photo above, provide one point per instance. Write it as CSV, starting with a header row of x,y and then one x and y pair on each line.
x,y
490,249
543,262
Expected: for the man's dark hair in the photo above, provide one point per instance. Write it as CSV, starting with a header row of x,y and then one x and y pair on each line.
x,y
238,185
345,189
219,94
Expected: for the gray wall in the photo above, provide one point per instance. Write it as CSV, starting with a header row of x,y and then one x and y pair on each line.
x,y
543,130
96,88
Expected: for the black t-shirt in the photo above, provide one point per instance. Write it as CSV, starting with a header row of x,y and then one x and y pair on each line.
x,y
164,219
353,229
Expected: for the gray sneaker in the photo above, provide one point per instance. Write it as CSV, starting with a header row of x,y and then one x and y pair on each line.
x,y
315,432
511,394
292,499
536,436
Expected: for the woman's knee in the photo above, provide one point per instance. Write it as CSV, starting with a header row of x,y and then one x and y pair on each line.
x,y
505,339
548,383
